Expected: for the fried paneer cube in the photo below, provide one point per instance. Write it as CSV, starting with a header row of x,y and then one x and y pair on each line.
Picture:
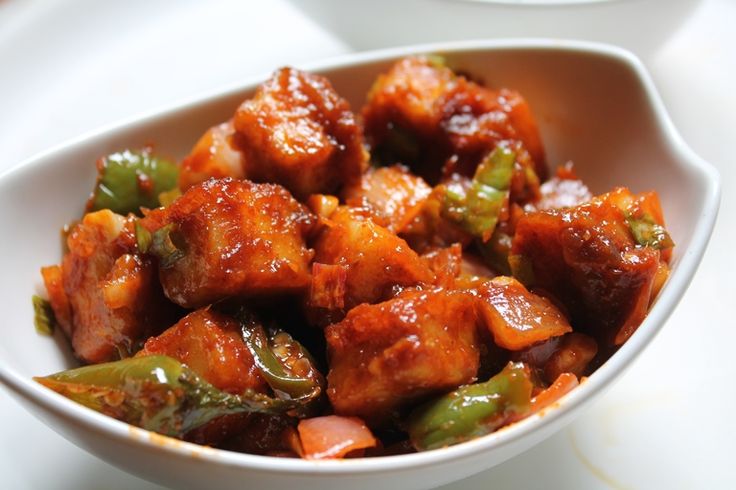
x,y
383,357
420,113
105,295
517,318
233,238
211,344
393,195
213,156
376,260
588,258
298,132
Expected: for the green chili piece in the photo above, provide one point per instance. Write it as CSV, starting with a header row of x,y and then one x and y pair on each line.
x,y
472,411
157,393
278,373
649,233
43,316
127,181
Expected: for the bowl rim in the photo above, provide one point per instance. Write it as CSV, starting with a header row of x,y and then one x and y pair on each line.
x,y
599,381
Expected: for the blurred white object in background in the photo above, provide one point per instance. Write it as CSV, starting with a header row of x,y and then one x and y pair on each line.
x,y
641,26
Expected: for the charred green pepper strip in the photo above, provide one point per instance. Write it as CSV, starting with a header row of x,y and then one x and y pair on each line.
x,y
157,393
472,411
476,209
277,373
649,233
127,181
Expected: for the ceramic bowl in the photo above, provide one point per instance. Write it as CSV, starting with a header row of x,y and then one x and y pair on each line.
x,y
641,26
595,105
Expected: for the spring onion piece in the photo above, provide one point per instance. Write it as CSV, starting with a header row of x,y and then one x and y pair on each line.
x,y
162,246
43,316
648,233
143,237
477,208
473,410
127,181
157,393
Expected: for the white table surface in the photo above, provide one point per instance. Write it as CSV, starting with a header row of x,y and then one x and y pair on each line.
x,y
68,67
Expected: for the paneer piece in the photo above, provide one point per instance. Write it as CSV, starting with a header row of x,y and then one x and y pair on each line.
x,y
517,318
232,238
105,295
420,113
211,344
376,260
298,132
393,195
384,357
214,156
590,259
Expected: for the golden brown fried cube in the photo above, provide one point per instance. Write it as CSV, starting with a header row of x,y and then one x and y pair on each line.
x,y
385,356
213,156
106,296
376,259
420,113
587,257
211,344
298,132
235,239
393,195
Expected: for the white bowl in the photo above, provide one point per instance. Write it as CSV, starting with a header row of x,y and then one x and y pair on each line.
x,y
639,25
595,104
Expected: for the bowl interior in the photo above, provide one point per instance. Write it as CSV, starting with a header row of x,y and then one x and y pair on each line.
x,y
591,105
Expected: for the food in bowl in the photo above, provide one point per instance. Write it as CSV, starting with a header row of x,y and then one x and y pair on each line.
x,y
312,283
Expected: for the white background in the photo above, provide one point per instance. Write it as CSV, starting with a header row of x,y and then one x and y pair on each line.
x,y
69,67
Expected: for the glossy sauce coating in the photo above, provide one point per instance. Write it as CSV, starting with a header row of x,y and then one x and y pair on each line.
x,y
210,343
105,295
516,317
298,132
586,256
376,259
239,239
422,114
409,286
385,356
212,156
393,195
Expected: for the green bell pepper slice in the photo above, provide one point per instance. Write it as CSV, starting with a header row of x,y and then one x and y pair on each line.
x,y
157,393
127,181
473,410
